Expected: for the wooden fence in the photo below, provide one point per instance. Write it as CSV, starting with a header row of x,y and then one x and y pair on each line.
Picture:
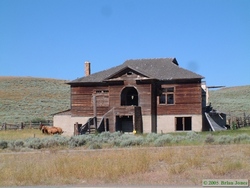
x,y
29,125
238,122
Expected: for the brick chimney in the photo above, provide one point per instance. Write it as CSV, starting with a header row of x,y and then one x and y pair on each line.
x,y
87,68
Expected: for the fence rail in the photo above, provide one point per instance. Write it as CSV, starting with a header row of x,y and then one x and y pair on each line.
x,y
29,125
237,121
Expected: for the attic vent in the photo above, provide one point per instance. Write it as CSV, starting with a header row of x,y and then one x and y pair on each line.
x,y
102,91
129,73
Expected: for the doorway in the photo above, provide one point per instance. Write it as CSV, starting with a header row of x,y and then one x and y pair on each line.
x,y
129,97
124,123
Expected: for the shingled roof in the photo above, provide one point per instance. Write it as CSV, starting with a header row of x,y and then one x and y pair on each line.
x,y
159,68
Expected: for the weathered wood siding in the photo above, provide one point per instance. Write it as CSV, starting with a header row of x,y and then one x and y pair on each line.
x,y
187,100
82,103
85,99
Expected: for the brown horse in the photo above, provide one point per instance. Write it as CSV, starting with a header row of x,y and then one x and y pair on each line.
x,y
59,129
50,130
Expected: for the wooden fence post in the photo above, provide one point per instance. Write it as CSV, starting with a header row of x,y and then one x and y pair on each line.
x,y
21,126
4,126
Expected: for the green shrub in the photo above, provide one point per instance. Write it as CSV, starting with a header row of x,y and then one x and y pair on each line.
x,y
19,143
49,142
61,140
151,137
209,139
105,135
3,144
116,134
76,141
34,143
192,136
225,139
132,141
178,138
11,145
241,138
163,140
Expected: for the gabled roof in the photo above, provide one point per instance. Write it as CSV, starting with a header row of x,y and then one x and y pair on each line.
x,y
159,69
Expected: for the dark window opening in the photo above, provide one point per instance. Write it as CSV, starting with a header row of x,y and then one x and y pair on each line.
x,y
124,123
188,126
129,97
129,73
170,98
179,124
162,99
170,89
183,123
166,96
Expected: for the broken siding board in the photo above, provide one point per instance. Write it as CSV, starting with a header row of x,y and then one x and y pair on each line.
x,y
102,100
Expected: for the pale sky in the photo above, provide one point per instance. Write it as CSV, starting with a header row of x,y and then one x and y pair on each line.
x,y
53,38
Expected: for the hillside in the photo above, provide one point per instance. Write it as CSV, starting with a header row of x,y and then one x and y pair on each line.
x,y
26,98
231,100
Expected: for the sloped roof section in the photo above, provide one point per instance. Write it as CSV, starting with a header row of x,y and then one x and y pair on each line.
x,y
159,68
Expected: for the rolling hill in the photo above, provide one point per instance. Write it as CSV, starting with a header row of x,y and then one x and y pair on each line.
x,y
24,99
231,100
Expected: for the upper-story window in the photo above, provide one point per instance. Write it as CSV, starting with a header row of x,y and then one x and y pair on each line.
x,y
167,96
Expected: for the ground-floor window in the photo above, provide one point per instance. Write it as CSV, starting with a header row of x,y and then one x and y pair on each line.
x,y
183,123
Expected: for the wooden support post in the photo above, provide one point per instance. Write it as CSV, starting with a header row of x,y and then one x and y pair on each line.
x,y
89,126
134,127
95,122
105,124
76,131
94,106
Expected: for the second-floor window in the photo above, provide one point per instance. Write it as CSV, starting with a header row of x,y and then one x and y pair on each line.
x,y
167,96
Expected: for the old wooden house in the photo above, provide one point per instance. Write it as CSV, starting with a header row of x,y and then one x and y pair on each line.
x,y
142,95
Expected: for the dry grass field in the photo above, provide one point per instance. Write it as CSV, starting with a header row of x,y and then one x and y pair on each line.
x,y
173,165
185,163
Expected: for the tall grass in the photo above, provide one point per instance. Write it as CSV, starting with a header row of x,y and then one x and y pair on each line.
x,y
66,168
21,134
126,166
